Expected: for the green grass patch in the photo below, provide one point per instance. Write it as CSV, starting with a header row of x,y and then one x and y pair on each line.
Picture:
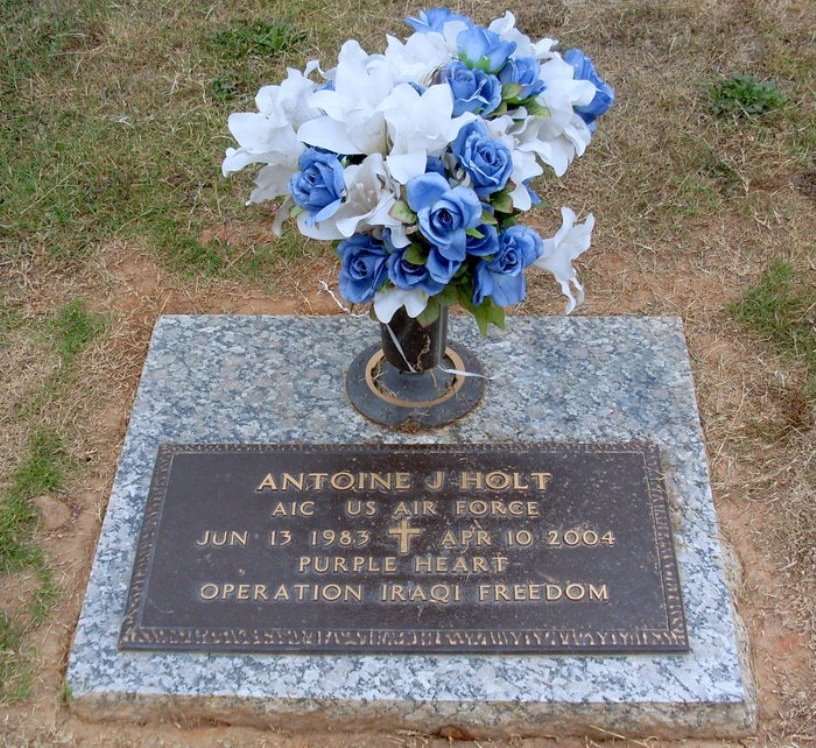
x,y
782,307
41,471
256,39
14,681
744,95
73,328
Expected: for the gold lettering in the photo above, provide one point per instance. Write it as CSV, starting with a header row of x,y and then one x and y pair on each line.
x,y
342,481
228,591
208,591
470,480
496,508
293,509
268,482
498,480
575,591
517,484
553,592
436,481
377,481
346,565
541,479
289,479
598,593
355,508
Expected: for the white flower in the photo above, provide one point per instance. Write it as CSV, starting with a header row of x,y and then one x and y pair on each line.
x,y
525,167
387,302
569,242
505,27
289,98
417,58
353,122
419,125
268,135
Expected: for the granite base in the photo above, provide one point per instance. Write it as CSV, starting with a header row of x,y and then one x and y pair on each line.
x,y
234,379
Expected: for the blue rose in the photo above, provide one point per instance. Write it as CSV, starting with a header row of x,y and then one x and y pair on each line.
x,y
407,275
440,268
488,162
318,187
487,245
435,20
443,214
523,71
502,278
362,267
433,163
483,49
473,90
585,70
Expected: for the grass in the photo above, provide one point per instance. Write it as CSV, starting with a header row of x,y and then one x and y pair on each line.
x,y
72,329
42,471
744,95
256,39
96,152
14,679
782,308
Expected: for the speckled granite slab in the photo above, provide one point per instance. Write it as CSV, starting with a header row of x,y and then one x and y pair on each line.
x,y
235,379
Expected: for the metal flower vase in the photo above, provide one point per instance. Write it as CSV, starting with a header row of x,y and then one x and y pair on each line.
x,y
414,379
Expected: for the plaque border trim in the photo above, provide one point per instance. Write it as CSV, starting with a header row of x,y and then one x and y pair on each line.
x,y
366,640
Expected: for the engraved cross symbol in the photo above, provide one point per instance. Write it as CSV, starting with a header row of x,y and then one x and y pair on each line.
x,y
406,534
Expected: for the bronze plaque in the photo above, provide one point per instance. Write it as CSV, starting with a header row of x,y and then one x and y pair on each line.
x,y
536,548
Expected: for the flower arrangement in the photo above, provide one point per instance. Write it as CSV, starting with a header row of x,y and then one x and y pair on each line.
x,y
417,162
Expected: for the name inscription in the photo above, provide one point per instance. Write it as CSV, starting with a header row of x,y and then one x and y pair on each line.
x,y
523,548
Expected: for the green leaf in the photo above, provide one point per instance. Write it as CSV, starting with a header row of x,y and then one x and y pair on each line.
x,y
414,255
295,211
510,91
448,296
488,218
474,233
535,109
430,313
481,315
486,314
464,294
402,212
502,202
496,314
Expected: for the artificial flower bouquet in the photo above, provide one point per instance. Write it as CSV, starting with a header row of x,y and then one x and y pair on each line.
x,y
417,162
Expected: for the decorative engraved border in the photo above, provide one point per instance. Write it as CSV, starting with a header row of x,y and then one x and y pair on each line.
x,y
671,639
